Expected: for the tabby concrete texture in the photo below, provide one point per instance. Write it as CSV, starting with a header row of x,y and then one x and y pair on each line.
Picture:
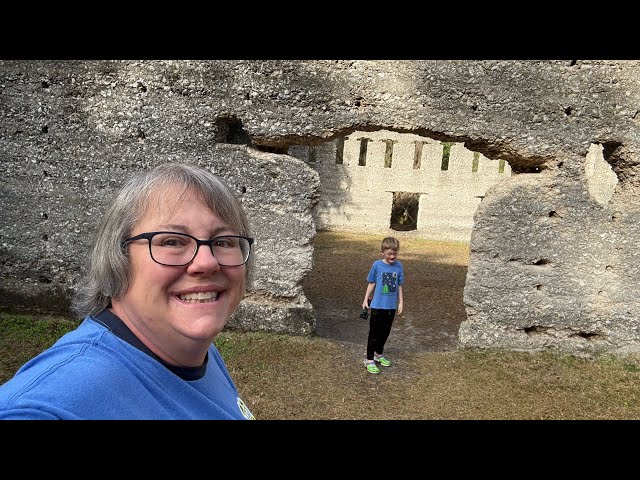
x,y
359,195
552,265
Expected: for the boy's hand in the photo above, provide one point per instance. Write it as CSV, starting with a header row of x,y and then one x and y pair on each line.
x,y
399,308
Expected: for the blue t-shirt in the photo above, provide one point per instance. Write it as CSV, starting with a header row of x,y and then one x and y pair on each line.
x,y
91,373
387,277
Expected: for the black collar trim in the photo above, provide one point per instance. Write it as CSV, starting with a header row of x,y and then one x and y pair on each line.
x,y
119,329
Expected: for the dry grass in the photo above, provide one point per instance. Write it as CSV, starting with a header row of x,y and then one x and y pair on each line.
x,y
285,377
323,378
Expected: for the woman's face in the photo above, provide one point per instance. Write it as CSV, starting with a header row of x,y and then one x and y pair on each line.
x,y
157,303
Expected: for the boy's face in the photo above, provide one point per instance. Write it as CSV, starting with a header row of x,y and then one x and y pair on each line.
x,y
389,255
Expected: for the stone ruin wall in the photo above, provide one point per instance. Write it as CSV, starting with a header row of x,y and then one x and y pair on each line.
x,y
553,263
360,197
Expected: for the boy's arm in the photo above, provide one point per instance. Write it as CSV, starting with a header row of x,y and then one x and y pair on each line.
x,y
400,299
368,293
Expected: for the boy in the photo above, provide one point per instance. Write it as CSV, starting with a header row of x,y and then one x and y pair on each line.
x,y
388,276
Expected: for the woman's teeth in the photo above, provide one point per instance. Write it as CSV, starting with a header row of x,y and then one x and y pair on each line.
x,y
200,297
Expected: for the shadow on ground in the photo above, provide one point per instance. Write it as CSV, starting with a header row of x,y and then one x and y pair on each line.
x,y
435,274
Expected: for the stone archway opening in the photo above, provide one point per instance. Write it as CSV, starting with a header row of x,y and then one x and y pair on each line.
x,y
422,190
404,211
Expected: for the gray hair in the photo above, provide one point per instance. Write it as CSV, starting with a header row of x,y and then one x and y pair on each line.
x,y
109,268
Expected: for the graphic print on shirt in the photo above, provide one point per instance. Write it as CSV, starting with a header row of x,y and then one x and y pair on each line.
x,y
389,282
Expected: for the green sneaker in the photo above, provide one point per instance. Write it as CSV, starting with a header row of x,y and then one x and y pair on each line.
x,y
382,361
371,367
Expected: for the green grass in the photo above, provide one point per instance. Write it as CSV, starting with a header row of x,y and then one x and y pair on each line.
x,y
24,336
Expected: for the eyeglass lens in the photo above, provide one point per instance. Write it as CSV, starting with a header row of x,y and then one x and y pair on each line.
x,y
177,249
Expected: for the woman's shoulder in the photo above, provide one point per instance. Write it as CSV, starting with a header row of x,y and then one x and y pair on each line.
x,y
55,369
74,358
83,365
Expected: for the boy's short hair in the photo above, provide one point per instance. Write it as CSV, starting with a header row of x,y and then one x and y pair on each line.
x,y
390,243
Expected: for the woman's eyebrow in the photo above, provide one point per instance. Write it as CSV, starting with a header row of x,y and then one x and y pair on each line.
x,y
184,229
172,226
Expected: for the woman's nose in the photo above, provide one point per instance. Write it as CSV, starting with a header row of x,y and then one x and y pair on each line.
x,y
204,260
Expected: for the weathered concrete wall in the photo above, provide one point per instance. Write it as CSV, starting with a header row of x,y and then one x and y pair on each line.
x,y
360,197
550,265
51,210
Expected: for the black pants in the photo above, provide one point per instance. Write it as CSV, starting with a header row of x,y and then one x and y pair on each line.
x,y
379,329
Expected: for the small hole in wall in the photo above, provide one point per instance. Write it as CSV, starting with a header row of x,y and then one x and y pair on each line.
x,y
567,110
272,149
520,168
542,261
231,130
587,335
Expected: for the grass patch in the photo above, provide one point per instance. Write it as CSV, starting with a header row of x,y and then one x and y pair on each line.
x,y
24,336
289,377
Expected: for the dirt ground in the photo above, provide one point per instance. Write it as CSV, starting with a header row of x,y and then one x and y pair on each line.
x,y
435,274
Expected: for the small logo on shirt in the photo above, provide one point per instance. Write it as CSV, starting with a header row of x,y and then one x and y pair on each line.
x,y
245,410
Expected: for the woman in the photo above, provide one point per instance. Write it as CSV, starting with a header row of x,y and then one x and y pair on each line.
x,y
170,265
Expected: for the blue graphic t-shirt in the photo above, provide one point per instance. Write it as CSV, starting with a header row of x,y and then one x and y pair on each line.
x,y
387,277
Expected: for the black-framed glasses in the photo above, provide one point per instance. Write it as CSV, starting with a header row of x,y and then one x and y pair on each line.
x,y
175,249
